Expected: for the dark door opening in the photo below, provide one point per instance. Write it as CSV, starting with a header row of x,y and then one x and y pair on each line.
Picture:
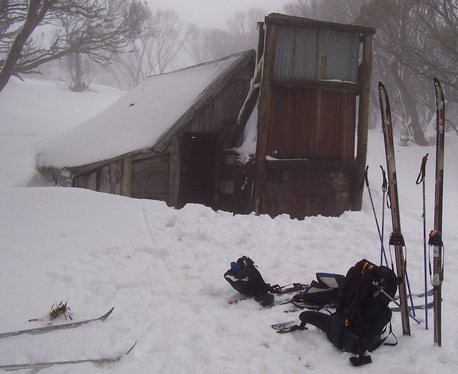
x,y
199,163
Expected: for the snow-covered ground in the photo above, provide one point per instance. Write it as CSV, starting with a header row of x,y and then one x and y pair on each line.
x,y
162,269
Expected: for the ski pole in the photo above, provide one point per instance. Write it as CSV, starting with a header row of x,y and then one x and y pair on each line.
x,y
381,290
382,249
410,292
384,190
421,179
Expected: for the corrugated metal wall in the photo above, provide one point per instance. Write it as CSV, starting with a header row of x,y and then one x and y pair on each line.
x,y
315,84
316,54
312,123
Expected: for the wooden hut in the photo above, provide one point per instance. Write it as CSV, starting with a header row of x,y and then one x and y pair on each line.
x,y
163,140
312,118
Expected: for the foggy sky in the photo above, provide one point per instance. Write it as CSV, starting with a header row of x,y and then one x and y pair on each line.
x,y
213,13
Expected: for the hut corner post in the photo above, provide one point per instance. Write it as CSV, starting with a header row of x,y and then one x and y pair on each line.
x,y
264,117
363,120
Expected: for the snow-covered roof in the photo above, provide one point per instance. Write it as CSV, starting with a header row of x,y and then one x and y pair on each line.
x,y
140,118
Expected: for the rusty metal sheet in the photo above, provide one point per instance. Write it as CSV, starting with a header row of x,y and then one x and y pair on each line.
x,y
313,124
316,54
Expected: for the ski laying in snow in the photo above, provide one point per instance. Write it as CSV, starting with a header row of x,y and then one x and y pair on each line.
x,y
45,329
416,307
285,327
419,294
41,365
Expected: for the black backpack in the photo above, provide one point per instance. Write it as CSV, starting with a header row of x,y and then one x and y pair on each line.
x,y
363,307
362,314
246,279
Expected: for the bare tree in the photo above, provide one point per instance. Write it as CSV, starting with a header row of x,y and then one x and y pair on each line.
x,y
241,34
155,50
433,48
398,42
98,29
208,44
243,28
325,10
77,69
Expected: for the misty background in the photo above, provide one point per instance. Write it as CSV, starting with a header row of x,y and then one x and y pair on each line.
x,y
120,43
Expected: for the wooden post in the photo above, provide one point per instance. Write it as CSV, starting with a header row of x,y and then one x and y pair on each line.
x,y
175,172
363,121
264,117
261,39
126,177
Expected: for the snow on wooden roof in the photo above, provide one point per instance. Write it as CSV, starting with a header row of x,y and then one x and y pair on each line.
x,y
141,118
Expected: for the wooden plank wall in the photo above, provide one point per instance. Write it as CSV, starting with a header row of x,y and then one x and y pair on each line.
x,y
150,178
220,114
312,123
108,178
159,177
308,189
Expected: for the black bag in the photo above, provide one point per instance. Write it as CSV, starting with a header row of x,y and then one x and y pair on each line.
x,y
363,307
322,293
246,279
362,314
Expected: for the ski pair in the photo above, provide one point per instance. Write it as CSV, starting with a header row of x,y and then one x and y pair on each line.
x,y
46,329
435,238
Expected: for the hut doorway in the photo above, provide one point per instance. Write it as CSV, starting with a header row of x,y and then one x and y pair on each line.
x,y
199,164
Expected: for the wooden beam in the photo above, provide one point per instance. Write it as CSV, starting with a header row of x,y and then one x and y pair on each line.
x,y
264,117
363,119
310,164
174,172
126,177
330,85
291,21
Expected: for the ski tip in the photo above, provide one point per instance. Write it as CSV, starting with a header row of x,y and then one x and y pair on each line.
x,y
107,314
381,86
131,348
436,82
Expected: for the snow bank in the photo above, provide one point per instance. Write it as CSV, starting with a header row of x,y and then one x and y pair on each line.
x,y
162,269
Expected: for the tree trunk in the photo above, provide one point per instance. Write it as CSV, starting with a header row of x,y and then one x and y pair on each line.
x,y
410,108
34,16
78,84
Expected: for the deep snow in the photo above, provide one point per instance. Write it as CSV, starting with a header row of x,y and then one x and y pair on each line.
x,y
162,269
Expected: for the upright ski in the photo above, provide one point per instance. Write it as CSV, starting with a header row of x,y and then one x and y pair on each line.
x,y
435,237
396,238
